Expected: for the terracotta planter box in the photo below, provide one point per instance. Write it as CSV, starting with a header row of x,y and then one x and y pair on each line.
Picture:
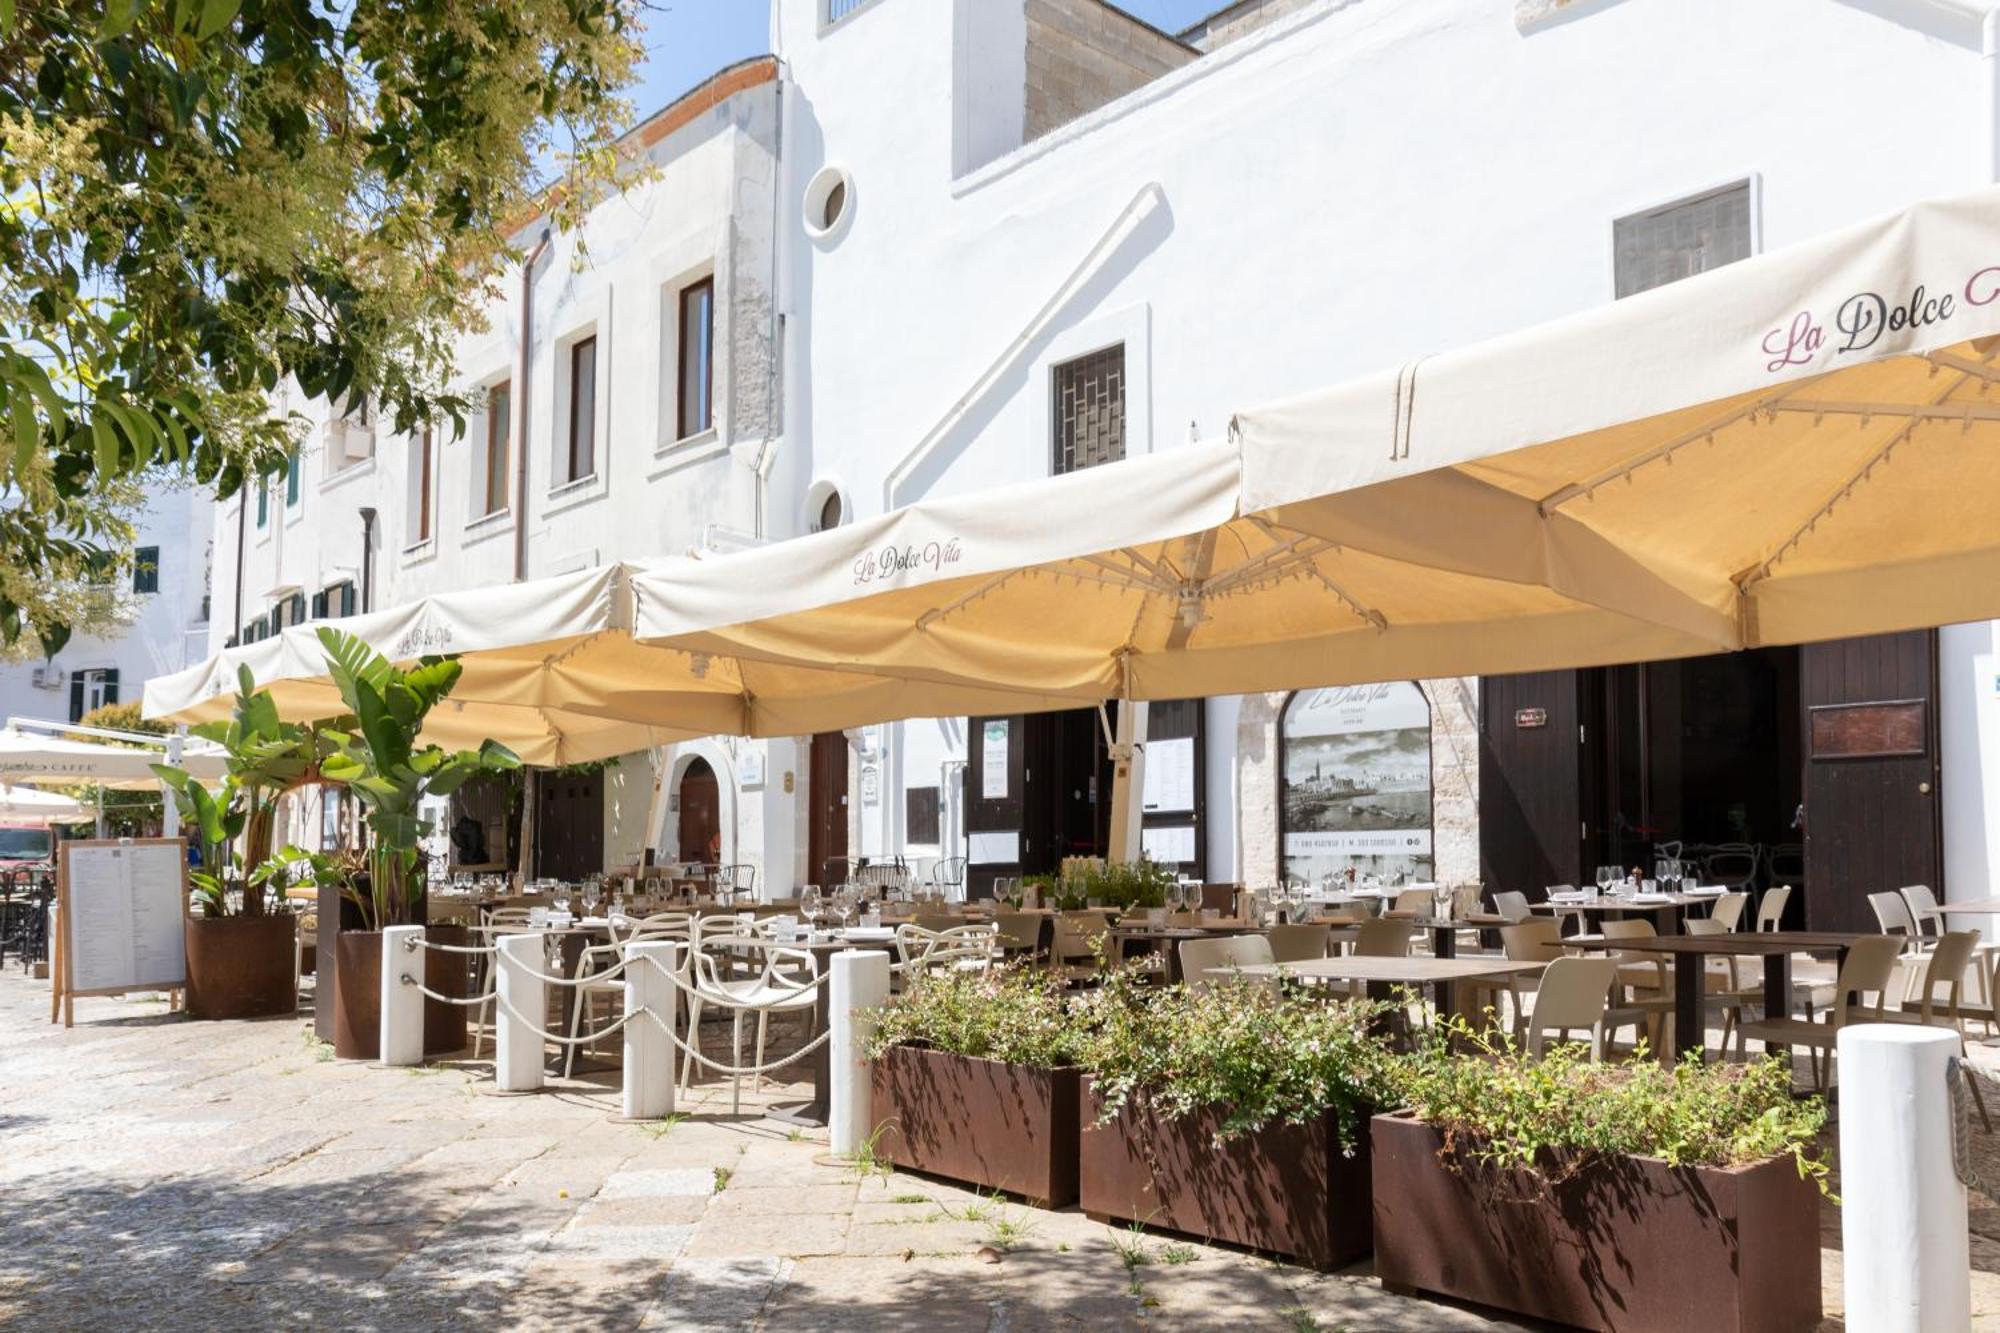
x,y
1285,1189
983,1122
241,966
1626,1244
356,994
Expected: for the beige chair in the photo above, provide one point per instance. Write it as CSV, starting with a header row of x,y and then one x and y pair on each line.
x,y
1574,996
1513,905
1534,941
1201,957
1951,955
1870,969
500,921
1384,937
1018,932
1644,979
1296,944
1728,910
1412,903
1079,936
1771,908
1563,914
1930,924
600,997
954,948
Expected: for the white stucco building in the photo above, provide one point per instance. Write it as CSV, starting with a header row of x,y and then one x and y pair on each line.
x,y
166,599
959,243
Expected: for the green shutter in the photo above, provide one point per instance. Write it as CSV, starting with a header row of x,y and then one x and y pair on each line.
x,y
292,477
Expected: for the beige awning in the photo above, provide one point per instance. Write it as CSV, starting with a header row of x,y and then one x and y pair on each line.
x,y
28,757
552,671
1796,447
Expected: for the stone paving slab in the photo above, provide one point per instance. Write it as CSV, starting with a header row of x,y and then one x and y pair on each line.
x,y
164,1174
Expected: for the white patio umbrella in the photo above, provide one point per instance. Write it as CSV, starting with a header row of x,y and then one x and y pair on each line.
x,y
28,757
27,805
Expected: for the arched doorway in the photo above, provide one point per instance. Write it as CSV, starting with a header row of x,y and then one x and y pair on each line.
x,y
701,813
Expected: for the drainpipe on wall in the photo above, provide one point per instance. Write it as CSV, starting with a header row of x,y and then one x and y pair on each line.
x,y
1989,53
242,527
367,558
767,451
521,400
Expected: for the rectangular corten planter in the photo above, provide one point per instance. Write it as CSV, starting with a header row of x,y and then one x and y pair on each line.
x,y
1284,1189
357,993
1625,1244
985,1122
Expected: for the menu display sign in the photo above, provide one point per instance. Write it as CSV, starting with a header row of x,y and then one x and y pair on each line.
x,y
121,911
1356,783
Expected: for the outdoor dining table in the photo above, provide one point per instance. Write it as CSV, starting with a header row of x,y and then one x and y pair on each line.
x,y
817,1110
1692,952
1665,910
1383,975
1444,930
1165,939
1972,907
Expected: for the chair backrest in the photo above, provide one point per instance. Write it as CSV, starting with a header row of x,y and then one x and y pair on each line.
x,y
1923,908
1296,944
1513,905
1535,941
1771,907
1553,889
1946,967
1573,993
1018,930
1635,930
1869,969
1198,957
950,873
1700,925
1384,937
1415,902
1892,913
1077,933
1731,863
1728,909
925,948
935,921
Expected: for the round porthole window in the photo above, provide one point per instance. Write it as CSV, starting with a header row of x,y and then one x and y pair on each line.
x,y
829,203
826,507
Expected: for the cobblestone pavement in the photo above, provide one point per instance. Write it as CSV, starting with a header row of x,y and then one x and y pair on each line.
x,y
163,1174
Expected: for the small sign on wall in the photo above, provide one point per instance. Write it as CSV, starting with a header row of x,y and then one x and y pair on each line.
x,y
1527,718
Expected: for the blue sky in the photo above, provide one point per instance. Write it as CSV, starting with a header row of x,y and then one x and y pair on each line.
x,y
688,40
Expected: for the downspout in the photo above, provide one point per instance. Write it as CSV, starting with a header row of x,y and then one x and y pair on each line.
x,y
521,396
242,527
367,558
767,451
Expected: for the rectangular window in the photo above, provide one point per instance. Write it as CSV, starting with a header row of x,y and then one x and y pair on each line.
x,y
263,502
1089,401
146,569
582,409
417,530
697,358
89,690
499,420
292,479
920,810
1664,245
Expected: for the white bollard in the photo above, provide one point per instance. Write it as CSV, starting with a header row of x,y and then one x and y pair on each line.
x,y
402,1017
1907,1265
860,982
649,1049
519,989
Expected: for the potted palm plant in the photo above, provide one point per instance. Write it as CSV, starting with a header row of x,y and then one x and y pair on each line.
x,y
1628,1197
241,953
376,751
973,1077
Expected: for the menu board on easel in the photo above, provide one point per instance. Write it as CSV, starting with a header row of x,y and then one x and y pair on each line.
x,y
121,912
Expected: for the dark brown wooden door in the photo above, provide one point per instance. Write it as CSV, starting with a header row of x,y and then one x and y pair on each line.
x,y
701,814
1871,784
826,833
1532,806
995,772
569,825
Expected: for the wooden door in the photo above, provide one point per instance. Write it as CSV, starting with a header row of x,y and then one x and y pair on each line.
x,y
569,825
1172,803
826,832
1532,758
995,800
701,814
1871,781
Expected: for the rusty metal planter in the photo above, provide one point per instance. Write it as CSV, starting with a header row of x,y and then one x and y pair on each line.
x,y
1624,1245
241,966
356,995
1284,1189
984,1122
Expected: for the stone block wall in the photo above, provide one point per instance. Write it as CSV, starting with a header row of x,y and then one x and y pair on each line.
x,y
1084,53
1238,21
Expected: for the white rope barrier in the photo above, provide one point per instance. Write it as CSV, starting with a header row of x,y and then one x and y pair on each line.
x,y
735,1070
533,1027
417,942
429,994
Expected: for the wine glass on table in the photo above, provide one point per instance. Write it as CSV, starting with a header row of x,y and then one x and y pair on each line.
x,y
811,905
560,899
843,904
593,894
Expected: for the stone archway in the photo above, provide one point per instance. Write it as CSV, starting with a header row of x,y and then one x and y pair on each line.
x,y
683,757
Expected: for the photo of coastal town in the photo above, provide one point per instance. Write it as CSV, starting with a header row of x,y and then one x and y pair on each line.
x,y
1357,783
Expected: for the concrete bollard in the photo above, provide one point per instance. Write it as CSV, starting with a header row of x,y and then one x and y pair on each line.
x,y
517,1042
1903,1211
650,966
402,1016
860,982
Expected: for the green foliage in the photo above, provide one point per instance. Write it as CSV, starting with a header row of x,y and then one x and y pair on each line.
x,y
1255,1053
1121,884
376,755
201,200
1498,1105
1014,1014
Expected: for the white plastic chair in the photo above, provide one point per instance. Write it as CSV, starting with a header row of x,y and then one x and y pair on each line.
x,y
1869,970
1574,996
785,982
1200,957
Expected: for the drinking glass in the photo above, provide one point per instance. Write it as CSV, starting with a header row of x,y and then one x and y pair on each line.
x,y
560,900
844,899
811,904
593,894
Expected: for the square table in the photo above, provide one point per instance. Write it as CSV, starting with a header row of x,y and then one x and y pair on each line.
x,y
1383,975
1692,952
1665,910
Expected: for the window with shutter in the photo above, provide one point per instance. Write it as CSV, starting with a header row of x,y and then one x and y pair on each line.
x,y
146,569
319,606
76,696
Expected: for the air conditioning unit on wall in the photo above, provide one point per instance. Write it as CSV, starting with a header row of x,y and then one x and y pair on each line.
x,y
47,678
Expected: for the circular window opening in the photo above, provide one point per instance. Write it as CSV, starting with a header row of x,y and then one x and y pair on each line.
x,y
829,201
830,511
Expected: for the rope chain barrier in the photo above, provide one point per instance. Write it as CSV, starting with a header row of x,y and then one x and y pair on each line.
x,y
430,994
416,942
720,1068
546,1035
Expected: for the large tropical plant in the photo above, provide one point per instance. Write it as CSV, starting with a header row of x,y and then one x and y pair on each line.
x,y
267,756
376,754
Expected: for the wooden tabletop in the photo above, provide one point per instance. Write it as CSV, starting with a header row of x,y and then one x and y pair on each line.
x,y
1979,906
1625,904
1748,943
1415,971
